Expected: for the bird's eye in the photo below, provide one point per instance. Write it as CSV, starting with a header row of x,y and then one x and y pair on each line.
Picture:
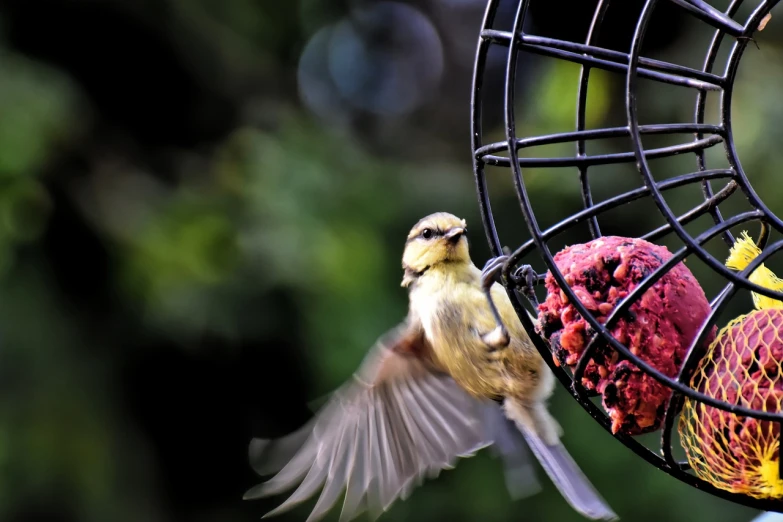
x,y
426,233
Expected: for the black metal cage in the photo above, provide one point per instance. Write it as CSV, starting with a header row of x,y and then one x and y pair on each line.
x,y
717,185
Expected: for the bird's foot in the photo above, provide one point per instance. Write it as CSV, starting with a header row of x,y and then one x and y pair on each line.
x,y
526,279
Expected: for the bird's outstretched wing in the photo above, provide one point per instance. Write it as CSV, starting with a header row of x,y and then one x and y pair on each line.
x,y
377,437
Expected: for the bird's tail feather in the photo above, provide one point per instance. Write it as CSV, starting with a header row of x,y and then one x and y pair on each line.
x,y
542,434
569,479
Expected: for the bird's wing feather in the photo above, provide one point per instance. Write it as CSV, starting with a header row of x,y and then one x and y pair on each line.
x,y
397,422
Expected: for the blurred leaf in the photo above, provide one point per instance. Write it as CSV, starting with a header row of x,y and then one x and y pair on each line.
x,y
37,106
556,108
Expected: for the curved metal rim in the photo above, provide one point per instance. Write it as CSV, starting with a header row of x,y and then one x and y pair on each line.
x,y
635,67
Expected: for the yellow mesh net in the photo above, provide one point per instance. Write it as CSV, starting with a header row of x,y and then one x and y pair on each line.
x,y
742,253
743,367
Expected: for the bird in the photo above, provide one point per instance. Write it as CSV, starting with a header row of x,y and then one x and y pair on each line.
x,y
457,375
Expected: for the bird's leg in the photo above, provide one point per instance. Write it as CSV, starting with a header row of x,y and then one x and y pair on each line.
x,y
497,338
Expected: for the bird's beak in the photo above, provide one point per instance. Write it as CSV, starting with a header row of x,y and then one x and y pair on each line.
x,y
454,234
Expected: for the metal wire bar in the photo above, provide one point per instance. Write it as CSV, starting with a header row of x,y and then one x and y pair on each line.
x,y
695,212
732,66
595,134
704,11
485,208
692,359
603,159
601,329
614,61
614,202
644,168
589,55
581,116
701,103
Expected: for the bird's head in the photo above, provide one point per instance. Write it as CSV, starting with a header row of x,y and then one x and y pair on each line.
x,y
436,239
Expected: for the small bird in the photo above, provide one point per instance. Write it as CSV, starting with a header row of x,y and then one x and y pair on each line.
x,y
445,383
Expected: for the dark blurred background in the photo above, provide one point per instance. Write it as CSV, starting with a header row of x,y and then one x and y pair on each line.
x,y
202,213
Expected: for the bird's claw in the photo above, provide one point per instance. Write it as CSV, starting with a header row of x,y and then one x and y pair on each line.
x,y
526,279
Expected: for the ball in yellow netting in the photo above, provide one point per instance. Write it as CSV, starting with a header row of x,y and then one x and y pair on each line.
x,y
743,367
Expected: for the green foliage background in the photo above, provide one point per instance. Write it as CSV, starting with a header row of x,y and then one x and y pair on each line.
x,y
287,207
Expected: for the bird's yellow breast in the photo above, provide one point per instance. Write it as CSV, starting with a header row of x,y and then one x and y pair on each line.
x,y
454,314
